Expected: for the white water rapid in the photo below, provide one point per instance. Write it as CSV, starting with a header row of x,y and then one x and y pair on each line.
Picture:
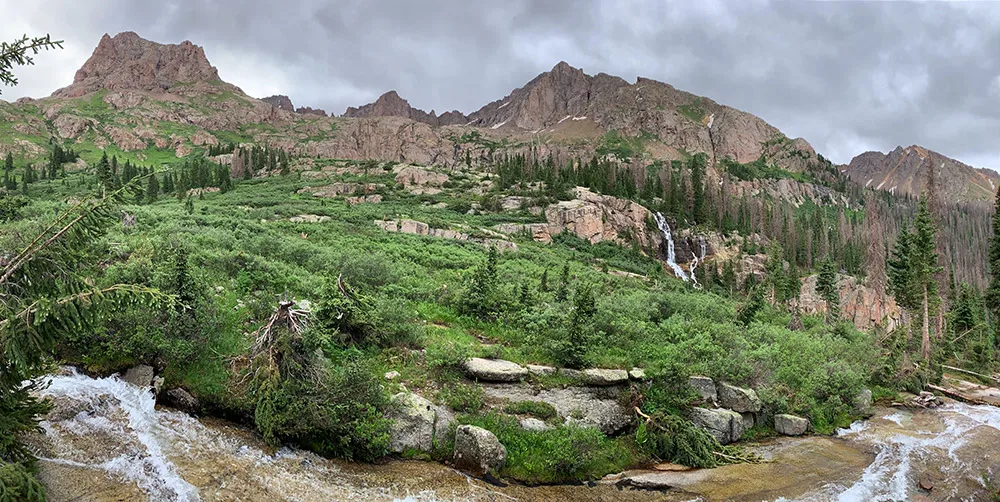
x,y
697,261
664,227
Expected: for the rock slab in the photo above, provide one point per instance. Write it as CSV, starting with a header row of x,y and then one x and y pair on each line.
x,y
604,377
738,399
495,370
140,376
790,425
478,451
725,425
416,423
704,387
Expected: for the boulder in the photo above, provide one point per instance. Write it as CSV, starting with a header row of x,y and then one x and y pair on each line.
x,y
534,424
495,370
182,400
140,376
790,425
725,425
604,377
537,369
748,421
738,399
863,403
158,384
704,387
597,407
416,423
637,374
478,451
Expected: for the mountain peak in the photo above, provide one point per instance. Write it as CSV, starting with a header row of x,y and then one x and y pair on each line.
x,y
390,104
905,169
128,61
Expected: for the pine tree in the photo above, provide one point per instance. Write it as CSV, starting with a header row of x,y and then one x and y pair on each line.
x,y
104,170
562,291
189,205
993,290
8,172
543,284
152,189
826,286
925,266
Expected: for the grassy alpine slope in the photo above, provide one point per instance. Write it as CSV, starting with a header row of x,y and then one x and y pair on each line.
x,y
422,306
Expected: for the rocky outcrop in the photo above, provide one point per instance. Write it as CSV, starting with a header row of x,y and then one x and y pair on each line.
x,y
420,228
306,110
738,399
495,370
859,303
478,451
70,126
704,387
533,424
598,407
127,61
726,426
418,180
340,188
604,377
790,425
416,423
391,105
905,171
280,102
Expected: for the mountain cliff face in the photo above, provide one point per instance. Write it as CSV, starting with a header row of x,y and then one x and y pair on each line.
x,y
130,62
391,105
280,102
905,171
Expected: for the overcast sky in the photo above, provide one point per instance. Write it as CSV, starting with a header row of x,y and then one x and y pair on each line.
x,y
847,76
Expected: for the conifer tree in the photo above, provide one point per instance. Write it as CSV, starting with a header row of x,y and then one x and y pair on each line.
x,y
993,290
8,172
562,291
543,284
152,189
826,286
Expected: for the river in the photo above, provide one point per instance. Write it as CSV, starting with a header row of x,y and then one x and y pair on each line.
x,y
106,441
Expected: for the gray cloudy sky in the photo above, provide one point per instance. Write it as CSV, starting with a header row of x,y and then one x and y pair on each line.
x,y
847,76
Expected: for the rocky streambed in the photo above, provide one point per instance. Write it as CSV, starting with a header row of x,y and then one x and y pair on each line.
x,y
106,441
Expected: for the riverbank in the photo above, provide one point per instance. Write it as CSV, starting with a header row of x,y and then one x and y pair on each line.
x,y
105,441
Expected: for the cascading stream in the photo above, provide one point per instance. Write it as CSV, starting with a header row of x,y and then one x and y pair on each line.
x,y
664,227
697,261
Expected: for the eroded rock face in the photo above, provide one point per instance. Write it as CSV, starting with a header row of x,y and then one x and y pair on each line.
x,y
790,425
726,426
280,102
859,303
419,180
478,451
306,110
127,61
738,399
391,105
416,422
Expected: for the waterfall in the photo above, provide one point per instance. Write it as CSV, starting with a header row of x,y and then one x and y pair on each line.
x,y
697,261
661,222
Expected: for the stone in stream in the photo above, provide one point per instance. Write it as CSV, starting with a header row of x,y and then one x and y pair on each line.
x,y
704,387
725,425
863,403
790,425
603,377
140,375
478,451
738,399
416,422
495,370
182,400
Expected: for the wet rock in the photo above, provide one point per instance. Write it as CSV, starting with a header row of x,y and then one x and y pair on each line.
x,y
637,374
65,408
495,370
182,400
737,398
863,403
157,384
704,387
478,451
534,424
537,369
140,376
604,377
790,425
416,423
725,425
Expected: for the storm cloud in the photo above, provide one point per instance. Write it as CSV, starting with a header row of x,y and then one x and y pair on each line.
x,y
847,76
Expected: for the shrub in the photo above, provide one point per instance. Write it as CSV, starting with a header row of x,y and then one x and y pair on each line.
x,y
537,409
462,397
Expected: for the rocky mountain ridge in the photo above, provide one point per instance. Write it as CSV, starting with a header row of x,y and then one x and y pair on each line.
x,y
391,104
906,171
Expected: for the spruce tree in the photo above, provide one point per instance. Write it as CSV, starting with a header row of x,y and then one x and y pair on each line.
x,y
543,284
826,286
924,260
152,189
562,291
993,290
8,172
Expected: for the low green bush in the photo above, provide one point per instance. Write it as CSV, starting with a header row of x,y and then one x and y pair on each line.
x,y
537,409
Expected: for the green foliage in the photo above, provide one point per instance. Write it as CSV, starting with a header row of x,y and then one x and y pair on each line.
x,y
672,439
483,297
826,286
20,52
463,398
18,484
559,455
750,307
537,409
694,111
